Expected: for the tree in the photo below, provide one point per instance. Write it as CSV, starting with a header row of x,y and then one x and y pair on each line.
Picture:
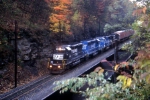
x,y
59,19
119,15
130,87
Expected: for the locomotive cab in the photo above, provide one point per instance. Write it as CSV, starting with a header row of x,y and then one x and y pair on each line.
x,y
60,58
66,56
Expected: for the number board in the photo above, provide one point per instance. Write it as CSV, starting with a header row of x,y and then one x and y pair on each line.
x,y
57,57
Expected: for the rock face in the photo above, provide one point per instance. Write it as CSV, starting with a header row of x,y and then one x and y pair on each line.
x,y
34,48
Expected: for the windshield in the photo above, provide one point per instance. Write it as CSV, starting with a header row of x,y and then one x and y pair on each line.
x,y
57,61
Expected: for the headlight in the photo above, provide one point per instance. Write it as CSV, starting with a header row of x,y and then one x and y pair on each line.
x,y
58,66
50,66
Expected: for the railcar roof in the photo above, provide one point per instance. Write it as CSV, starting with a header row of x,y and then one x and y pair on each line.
x,y
76,44
62,46
91,40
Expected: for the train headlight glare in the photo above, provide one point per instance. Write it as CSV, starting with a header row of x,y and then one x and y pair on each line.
x,y
50,66
58,66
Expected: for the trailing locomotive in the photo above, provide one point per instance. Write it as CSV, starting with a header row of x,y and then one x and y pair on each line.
x,y
66,56
90,48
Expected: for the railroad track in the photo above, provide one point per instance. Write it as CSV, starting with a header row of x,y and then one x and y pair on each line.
x,y
19,91
23,92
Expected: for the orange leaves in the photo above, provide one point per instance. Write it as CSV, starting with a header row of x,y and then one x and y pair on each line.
x,y
144,54
57,8
140,11
144,10
68,21
66,1
143,63
99,70
59,17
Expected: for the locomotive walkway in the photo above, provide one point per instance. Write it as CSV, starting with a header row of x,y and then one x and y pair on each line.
x,y
42,88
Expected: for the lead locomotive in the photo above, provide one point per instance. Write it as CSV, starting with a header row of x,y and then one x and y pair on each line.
x,y
66,56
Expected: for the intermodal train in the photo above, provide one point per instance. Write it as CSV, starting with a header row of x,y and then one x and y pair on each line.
x,y
69,55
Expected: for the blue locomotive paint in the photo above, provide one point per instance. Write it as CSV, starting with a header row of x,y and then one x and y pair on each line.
x,y
90,46
66,56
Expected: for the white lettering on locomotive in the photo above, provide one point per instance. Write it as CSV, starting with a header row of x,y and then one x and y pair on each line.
x,y
57,57
84,46
93,45
74,50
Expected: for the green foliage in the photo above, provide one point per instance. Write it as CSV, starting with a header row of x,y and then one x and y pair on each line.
x,y
119,15
111,28
97,88
136,87
28,13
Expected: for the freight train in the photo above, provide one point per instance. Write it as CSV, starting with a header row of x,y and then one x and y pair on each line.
x,y
66,56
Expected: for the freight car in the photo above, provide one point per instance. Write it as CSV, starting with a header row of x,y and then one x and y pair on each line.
x,y
66,56
123,35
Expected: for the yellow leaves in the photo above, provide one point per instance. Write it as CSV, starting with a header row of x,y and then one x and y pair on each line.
x,y
76,16
121,77
58,18
106,96
55,18
116,67
148,79
99,70
126,81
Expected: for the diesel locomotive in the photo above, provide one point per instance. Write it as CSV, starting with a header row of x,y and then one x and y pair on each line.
x,y
66,56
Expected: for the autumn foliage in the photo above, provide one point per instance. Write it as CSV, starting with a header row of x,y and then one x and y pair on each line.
x,y
140,11
59,19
